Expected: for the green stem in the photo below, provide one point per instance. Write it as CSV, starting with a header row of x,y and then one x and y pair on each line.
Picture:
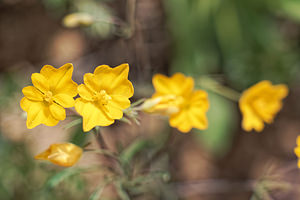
x,y
103,152
216,87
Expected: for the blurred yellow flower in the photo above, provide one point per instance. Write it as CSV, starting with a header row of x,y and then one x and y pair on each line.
x,y
77,19
260,103
297,150
52,91
66,154
104,95
176,98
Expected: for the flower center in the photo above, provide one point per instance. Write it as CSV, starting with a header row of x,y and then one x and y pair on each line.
x,y
102,97
48,97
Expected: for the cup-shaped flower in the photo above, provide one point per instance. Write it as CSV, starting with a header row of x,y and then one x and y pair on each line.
x,y
260,103
297,150
175,97
65,154
104,95
52,91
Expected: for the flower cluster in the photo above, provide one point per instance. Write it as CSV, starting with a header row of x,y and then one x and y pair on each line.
x,y
105,94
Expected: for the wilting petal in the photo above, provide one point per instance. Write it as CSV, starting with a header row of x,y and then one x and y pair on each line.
x,y
57,111
32,93
64,100
92,114
66,154
40,82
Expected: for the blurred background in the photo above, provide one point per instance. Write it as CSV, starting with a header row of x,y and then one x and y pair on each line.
x,y
237,43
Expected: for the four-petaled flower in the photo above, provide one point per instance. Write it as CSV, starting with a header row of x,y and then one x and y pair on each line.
x,y
66,154
52,91
176,98
104,95
260,103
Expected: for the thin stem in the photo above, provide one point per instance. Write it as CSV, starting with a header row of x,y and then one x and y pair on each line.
x,y
216,87
99,138
103,152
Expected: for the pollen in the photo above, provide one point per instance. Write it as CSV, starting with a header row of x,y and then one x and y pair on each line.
x,y
48,97
102,97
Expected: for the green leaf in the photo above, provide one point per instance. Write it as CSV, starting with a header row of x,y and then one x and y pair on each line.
x,y
62,175
121,191
291,8
97,193
222,118
134,148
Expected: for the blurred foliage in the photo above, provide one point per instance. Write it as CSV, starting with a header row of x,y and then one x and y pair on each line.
x,y
242,39
22,178
8,85
222,117
103,25
247,41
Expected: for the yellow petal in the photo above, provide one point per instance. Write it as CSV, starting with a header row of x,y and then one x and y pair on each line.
x,y
60,79
38,113
25,103
57,111
199,98
181,121
281,91
32,93
197,119
92,114
85,92
66,154
115,80
44,155
178,84
116,106
125,88
251,120
64,100
40,82
92,83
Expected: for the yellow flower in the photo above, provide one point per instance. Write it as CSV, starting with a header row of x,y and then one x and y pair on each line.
x,y
260,103
66,154
52,91
176,98
297,150
104,95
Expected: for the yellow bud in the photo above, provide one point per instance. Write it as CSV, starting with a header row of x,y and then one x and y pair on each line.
x,y
77,19
66,154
